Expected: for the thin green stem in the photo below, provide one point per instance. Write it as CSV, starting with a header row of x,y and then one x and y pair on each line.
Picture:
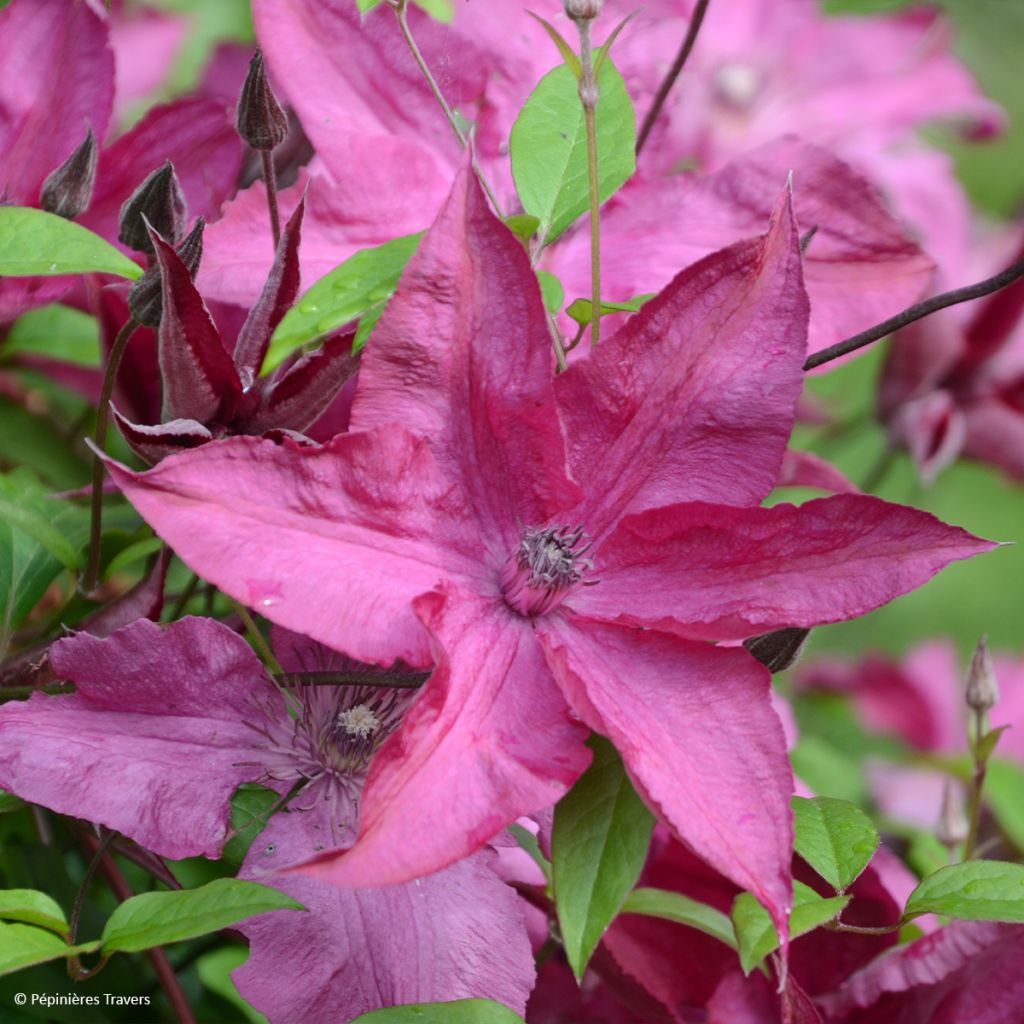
x,y
978,720
19,692
92,570
262,648
75,970
270,179
589,96
184,597
384,680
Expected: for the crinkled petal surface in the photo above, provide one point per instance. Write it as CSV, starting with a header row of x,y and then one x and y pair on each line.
x,y
693,398
152,741
714,572
696,729
333,542
462,356
457,934
489,739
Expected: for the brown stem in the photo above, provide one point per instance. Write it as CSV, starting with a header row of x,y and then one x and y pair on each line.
x,y
589,96
102,424
75,970
383,680
917,312
270,179
859,929
670,79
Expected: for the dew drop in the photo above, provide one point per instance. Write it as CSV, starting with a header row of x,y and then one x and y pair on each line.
x,y
53,267
309,308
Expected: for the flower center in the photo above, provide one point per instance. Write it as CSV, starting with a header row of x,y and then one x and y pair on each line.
x,y
547,565
359,721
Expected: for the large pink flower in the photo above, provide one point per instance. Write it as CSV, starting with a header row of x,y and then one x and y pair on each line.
x,y
559,574
165,724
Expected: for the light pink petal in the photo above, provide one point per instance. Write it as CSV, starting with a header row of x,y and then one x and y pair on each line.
x,y
146,44
152,742
462,356
696,729
457,934
967,971
196,134
20,294
153,443
934,430
714,572
693,398
805,469
58,81
331,542
995,433
489,739
860,267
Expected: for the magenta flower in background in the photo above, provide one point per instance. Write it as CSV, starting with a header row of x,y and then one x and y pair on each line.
x,y
556,583
166,724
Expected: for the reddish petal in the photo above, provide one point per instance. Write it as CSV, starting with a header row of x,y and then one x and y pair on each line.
x,y
143,601
276,299
488,740
462,356
299,398
458,934
714,572
696,729
200,381
152,742
153,443
58,81
805,469
332,542
693,399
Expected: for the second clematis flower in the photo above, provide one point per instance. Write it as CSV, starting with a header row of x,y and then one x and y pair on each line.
x,y
562,550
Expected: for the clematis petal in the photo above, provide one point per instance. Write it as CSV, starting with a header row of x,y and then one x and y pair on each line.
x,y
299,398
697,732
693,398
457,934
152,741
462,356
332,542
58,81
153,443
805,469
199,378
488,740
275,300
714,572
860,267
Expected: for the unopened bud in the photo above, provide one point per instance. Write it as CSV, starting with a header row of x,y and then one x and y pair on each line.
x,y
160,201
261,121
779,649
583,10
146,299
68,190
951,828
982,688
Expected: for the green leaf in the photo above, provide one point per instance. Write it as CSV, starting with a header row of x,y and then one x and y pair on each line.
x,y
439,10
755,932
158,918
461,1011
215,969
552,291
599,843
569,55
528,841
367,324
342,295
36,243
582,310
55,332
33,907
131,554
250,813
1004,783
22,945
987,745
365,6
549,147
828,770
672,906
979,890
836,838
522,225
9,802
40,529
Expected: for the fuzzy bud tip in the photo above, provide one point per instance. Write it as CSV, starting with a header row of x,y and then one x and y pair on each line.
x,y
67,191
261,121
146,298
951,829
159,200
583,10
982,687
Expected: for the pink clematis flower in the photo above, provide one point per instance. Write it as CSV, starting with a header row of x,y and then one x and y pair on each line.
x,y
188,714
559,574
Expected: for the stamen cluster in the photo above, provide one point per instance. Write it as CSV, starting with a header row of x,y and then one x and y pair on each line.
x,y
547,565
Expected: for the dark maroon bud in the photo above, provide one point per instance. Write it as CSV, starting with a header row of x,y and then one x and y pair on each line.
x,y
160,201
68,190
145,300
779,649
261,121
583,10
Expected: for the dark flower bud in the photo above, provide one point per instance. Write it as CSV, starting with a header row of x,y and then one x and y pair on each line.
x,y
951,828
68,190
982,688
583,10
160,201
779,649
261,121
145,300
